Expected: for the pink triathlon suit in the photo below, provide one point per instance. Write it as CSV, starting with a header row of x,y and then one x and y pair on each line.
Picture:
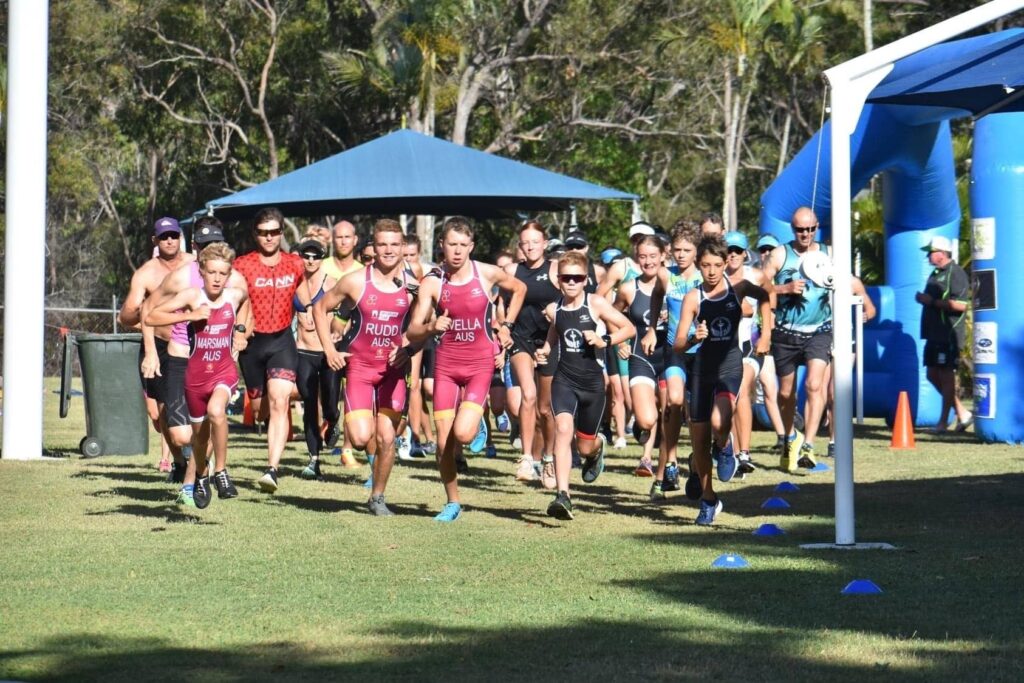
x,y
371,383
464,360
211,365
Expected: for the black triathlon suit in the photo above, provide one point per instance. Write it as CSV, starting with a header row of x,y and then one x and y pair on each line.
x,y
578,384
642,367
718,366
531,328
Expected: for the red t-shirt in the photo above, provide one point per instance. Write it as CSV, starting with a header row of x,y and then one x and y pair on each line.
x,y
271,289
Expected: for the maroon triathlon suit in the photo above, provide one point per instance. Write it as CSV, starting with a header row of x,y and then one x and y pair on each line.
x,y
271,352
210,365
379,319
464,360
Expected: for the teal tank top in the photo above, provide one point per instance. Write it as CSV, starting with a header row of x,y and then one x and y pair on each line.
x,y
801,313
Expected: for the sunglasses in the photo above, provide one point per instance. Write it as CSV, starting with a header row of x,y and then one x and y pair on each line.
x,y
365,257
801,230
572,277
168,236
737,250
765,250
270,233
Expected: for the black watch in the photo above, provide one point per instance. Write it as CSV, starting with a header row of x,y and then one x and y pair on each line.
x,y
607,339
510,324
240,328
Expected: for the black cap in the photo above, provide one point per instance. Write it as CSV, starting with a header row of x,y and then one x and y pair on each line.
x,y
576,240
311,246
208,234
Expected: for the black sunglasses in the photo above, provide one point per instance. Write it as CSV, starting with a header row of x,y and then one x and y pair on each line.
x,y
765,250
168,236
270,233
737,250
572,277
800,229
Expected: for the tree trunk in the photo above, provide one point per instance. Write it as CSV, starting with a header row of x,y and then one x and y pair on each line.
x,y
784,145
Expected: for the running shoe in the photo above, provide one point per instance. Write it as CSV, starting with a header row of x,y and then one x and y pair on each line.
x,y
502,423
461,465
429,448
657,491
561,506
449,513
491,451
403,449
547,473
725,461
746,464
202,494
620,444
640,434
225,487
788,455
594,465
165,465
524,470
479,441
348,459
693,488
312,470
631,425
268,482
185,499
708,512
378,507
644,468
333,434
177,473
807,459
964,425
831,449
671,481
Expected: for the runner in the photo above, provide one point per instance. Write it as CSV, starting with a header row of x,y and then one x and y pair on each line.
x,y
716,306
318,384
579,330
270,359
373,353
210,375
467,353
767,389
802,334
538,274
153,354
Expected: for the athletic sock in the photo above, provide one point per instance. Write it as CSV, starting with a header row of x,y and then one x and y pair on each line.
x,y
188,488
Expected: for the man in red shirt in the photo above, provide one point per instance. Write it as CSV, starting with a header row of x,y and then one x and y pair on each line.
x,y
269,359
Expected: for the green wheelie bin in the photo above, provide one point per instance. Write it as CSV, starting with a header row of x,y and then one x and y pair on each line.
x,y
116,421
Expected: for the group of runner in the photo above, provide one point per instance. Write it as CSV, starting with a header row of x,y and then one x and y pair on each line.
x,y
672,331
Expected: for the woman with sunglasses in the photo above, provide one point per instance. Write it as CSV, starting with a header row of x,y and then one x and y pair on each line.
x,y
647,350
709,322
582,326
318,383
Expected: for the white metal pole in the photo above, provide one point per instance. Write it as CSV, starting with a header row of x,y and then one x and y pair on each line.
x,y
858,326
25,261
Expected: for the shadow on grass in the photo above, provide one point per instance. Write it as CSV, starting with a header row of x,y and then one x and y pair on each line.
x,y
170,513
615,650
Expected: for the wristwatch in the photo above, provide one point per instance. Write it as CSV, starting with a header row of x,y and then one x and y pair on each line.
x,y
240,328
607,339
510,324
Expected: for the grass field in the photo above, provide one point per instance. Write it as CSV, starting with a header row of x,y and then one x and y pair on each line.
x,y
104,578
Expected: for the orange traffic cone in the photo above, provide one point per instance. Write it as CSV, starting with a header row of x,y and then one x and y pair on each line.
x,y
903,426
248,419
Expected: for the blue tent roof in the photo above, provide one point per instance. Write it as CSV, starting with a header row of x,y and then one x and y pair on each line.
x,y
407,172
973,74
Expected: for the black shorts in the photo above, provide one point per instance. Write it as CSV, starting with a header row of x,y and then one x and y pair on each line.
x,y
791,350
154,387
750,358
647,369
268,356
586,405
529,344
427,365
703,390
175,407
941,355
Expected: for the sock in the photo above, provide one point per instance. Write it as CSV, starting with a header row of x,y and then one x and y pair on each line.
x,y
186,452
188,488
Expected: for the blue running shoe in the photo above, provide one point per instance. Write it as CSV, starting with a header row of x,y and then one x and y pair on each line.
x,y
725,460
502,423
708,512
479,441
492,451
449,513
594,465
671,481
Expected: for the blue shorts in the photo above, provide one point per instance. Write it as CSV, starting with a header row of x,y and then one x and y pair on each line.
x,y
678,364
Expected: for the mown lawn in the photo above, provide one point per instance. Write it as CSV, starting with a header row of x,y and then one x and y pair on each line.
x,y
104,578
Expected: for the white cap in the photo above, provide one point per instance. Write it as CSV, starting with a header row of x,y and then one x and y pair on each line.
x,y
640,228
939,243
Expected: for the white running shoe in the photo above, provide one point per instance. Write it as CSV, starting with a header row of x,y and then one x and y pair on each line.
x,y
547,473
620,444
524,470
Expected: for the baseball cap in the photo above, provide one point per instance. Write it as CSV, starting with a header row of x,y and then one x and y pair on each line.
x,y
311,246
165,225
767,240
938,243
610,256
208,234
735,238
640,228
555,247
576,240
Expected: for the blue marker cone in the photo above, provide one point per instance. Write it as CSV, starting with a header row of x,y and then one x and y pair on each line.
x,y
730,561
768,530
820,467
786,487
775,503
862,587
